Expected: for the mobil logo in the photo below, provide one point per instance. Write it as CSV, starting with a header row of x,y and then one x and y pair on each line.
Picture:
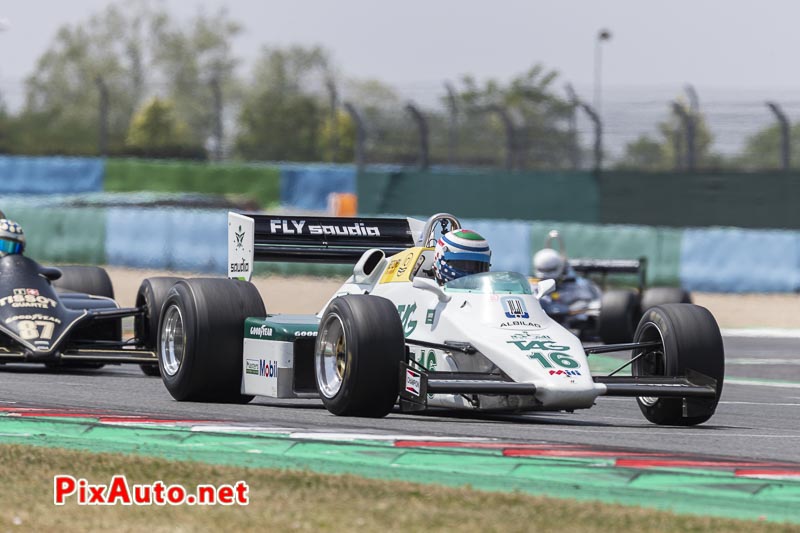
x,y
514,307
267,369
566,373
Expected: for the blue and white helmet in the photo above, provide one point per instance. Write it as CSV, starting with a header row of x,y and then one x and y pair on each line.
x,y
460,253
12,238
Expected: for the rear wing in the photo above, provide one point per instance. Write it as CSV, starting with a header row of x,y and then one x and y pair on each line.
x,y
612,266
253,237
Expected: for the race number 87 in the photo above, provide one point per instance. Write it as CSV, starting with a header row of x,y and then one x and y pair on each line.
x,y
29,329
555,358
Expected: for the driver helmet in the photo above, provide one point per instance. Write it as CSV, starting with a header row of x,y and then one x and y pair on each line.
x,y
549,264
12,238
460,253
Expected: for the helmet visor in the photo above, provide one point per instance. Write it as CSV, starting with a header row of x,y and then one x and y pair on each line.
x,y
469,267
7,246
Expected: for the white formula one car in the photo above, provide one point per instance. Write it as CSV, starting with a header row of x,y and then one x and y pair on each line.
x,y
480,342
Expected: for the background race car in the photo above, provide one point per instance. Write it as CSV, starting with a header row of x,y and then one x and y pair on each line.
x,y
67,316
596,308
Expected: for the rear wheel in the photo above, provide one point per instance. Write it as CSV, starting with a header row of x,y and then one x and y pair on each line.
x,y
690,340
94,281
200,338
359,348
151,295
86,279
619,313
664,295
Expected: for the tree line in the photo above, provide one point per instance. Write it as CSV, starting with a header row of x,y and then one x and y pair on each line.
x,y
133,81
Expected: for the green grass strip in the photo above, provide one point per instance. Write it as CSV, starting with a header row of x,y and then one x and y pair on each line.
x,y
697,492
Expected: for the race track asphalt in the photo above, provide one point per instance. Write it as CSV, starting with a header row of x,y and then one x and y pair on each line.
x,y
758,417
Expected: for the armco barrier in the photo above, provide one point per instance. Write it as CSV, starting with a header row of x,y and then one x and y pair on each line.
x,y
256,181
541,195
661,246
50,175
737,260
308,186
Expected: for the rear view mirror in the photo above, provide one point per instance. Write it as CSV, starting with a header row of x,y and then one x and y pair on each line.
x,y
544,287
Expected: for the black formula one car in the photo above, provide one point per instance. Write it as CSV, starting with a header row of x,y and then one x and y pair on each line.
x,y
583,302
67,316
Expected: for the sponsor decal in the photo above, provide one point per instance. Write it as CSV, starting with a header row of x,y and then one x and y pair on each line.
x,y
305,333
239,238
523,323
35,317
413,382
426,361
251,367
539,345
430,316
514,308
404,265
242,266
261,331
546,352
28,298
300,227
267,369
566,373
406,313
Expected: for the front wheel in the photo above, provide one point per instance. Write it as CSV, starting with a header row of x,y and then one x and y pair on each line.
x,y
201,336
357,356
689,340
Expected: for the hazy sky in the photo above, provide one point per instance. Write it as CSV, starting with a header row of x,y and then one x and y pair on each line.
x,y
719,43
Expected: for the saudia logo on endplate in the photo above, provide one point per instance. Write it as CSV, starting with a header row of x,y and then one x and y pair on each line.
x,y
299,227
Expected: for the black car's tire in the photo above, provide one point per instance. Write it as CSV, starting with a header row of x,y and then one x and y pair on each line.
x,y
200,338
357,357
664,295
619,313
151,295
690,340
86,279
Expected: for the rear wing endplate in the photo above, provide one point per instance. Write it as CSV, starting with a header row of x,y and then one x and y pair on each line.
x,y
255,237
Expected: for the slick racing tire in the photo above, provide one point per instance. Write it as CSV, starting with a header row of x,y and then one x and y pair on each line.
x,y
200,338
619,313
690,340
86,279
664,295
151,295
357,357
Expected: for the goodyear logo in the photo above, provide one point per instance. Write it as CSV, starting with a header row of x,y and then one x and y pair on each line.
x,y
261,331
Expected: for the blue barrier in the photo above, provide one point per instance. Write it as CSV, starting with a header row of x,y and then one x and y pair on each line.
x,y
172,239
308,186
50,175
510,241
739,260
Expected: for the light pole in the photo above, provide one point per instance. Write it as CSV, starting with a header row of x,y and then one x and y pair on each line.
x,y
602,35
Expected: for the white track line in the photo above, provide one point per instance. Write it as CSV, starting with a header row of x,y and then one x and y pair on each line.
x,y
775,333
